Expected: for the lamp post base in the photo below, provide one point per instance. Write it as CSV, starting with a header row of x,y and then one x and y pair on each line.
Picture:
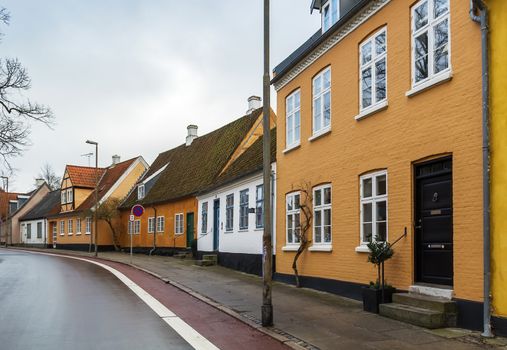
x,y
267,315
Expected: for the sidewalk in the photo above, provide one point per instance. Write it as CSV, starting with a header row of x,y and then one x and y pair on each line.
x,y
314,320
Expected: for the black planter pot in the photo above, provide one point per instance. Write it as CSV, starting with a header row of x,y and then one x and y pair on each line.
x,y
373,297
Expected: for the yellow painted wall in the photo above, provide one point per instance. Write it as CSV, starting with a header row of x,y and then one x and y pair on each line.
x,y
167,239
445,119
105,236
498,70
124,188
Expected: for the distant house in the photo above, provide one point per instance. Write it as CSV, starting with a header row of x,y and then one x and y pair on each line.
x,y
72,227
231,211
34,228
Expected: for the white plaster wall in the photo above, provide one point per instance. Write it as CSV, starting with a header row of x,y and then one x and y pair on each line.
x,y
248,241
33,239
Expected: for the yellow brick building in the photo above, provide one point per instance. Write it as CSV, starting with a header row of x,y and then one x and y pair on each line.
x,y
381,110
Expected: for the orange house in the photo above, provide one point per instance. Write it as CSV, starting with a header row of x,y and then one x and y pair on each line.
x,y
379,115
73,227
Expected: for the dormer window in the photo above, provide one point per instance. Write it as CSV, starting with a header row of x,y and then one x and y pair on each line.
x,y
63,197
140,191
330,12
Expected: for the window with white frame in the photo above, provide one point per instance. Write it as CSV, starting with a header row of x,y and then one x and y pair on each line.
x,y
88,228
204,217
137,226
373,59
243,209
78,226
71,227
430,39
259,206
322,214
140,191
39,230
330,13
293,218
55,229
178,224
373,212
229,212
63,197
322,101
293,119
62,228
28,231
151,224
130,227
160,223
70,195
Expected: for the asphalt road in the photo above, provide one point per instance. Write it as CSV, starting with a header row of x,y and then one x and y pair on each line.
x,y
50,302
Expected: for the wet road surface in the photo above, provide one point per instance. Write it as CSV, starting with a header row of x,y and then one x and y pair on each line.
x,y
50,302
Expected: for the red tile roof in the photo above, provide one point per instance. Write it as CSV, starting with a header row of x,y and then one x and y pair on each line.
x,y
83,176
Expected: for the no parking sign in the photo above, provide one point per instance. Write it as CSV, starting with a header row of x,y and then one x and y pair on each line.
x,y
137,210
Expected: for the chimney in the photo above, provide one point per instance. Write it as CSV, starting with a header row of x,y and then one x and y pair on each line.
x,y
254,102
39,182
116,159
192,134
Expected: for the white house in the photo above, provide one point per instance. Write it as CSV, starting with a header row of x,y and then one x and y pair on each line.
x,y
230,215
33,225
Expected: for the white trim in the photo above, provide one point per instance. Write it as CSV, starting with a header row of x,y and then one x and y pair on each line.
x,y
438,79
176,224
320,133
322,207
321,248
290,248
151,218
323,92
362,249
157,222
144,181
291,148
373,199
431,291
292,114
292,212
372,110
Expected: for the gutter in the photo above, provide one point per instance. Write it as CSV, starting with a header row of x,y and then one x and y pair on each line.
x,y
478,6
154,232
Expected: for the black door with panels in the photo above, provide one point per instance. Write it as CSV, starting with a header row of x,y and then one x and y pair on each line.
x,y
433,222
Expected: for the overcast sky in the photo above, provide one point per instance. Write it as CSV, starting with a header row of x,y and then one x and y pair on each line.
x,y
132,74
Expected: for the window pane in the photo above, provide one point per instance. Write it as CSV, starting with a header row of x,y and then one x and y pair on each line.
x,y
318,234
289,236
296,202
318,197
380,84
366,86
441,46
327,217
367,188
297,224
318,218
381,211
290,202
327,195
317,114
296,99
366,53
327,234
421,15
367,212
367,231
290,105
380,43
421,54
327,79
290,130
381,185
297,126
327,108
381,231
440,7
317,85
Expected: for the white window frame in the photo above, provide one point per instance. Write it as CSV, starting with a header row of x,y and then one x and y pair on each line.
x,y
334,8
137,226
78,226
179,224
28,232
39,224
374,199
70,195
292,111
151,224
63,197
429,28
259,204
160,224
70,227
62,227
130,227
292,212
321,208
229,213
204,217
88,225
375,57
140,191
321,129
244,207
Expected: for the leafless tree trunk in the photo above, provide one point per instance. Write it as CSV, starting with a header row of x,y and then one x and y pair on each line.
x,y
305,207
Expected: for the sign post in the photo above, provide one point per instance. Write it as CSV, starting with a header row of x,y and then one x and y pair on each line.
x,y
136,211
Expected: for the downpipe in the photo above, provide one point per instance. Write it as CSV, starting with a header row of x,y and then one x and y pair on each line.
x,y
154,232
479,14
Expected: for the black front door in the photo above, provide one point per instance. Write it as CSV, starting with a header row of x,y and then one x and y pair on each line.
x,y
216,223
433,222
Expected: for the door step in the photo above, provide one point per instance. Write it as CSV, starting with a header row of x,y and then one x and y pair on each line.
x,y
446,293
208,260
421,310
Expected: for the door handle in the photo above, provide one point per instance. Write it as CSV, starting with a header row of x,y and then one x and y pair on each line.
x,y
418,227
436,246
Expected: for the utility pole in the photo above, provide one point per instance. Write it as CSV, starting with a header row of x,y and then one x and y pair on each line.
x,y
7,223
267,251
96,191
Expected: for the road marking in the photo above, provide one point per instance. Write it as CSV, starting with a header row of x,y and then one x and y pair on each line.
x,y
191,336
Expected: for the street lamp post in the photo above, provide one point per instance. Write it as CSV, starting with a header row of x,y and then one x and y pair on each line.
x,y
96,191
6,208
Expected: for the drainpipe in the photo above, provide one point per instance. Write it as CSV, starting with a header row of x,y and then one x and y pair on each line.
x,y
154,232
478,6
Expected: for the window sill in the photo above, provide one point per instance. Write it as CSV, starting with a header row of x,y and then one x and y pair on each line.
x,y
260,229
290,248
160,232
362,249
62,234
371,110
243,230
321,248
436,80
88,233
319,134
228,232
178,234
78,234
69,234
291,148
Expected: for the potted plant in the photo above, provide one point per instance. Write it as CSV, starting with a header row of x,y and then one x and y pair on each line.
x,y
378,292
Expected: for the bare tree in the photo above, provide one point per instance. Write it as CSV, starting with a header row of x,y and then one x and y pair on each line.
x,y
47,174
302,232
108,211
16,110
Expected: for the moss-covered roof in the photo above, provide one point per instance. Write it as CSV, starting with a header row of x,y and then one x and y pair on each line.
x,y
194,167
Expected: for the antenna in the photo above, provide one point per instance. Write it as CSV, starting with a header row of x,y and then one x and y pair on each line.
x,y
89,155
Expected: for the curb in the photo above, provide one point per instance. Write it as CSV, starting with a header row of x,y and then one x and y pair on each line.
x,y
292,342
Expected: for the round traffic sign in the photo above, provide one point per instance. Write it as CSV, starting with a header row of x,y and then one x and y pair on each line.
x,y
138,210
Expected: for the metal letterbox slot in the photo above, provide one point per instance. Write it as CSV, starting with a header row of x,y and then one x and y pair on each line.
x,y
436,212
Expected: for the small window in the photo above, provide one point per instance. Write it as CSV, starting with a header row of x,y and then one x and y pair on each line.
x,y
88,225
78,225
204,217
229,212
373,211
62,228
39,230
160,224
293,119
28,231
71,227
140,191
259,206
322,101
151,224
322,215
70,196
373,60
243,210
293,223
330,13
130,227
178,224
63,197
137,226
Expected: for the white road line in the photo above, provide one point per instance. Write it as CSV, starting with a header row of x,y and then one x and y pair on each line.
x,y
191,336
